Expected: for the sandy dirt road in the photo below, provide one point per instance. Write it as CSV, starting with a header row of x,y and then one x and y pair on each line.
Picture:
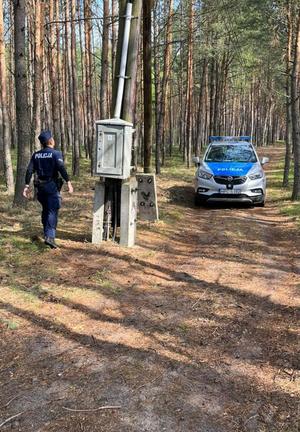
x,y
196,329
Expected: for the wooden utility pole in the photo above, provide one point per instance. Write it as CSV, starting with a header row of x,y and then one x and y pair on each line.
x,y
122,12
8,170
147,70
22,108
129,101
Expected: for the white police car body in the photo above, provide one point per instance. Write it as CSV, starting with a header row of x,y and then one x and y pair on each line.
x,y
230,172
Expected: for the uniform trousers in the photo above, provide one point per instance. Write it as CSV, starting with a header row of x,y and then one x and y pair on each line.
x,y
50,199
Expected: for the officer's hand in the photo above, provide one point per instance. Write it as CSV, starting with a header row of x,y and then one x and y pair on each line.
x,y
70,187
26,192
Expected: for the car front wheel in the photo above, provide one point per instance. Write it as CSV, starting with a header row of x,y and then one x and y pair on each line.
x,y
261,204
198,201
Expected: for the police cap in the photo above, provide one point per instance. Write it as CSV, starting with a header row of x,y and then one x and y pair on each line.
x,y
45,136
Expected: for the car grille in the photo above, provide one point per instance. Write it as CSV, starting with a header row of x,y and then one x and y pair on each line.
x,y
227,180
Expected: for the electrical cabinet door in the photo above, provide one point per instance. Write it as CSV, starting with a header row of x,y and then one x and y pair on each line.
x,y
110,148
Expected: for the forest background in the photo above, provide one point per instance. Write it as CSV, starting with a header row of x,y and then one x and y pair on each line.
x,y
204,68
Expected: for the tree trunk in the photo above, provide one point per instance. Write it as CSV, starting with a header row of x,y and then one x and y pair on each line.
x,y
288,136
104,63
129,101
76,144
113,38
89,76
60,80
22,108
8,170
147,70
190,84
52,57
38,74
295,88
68,84
168,6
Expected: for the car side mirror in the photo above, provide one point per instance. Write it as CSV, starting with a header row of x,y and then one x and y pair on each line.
x,y
196,160
265,160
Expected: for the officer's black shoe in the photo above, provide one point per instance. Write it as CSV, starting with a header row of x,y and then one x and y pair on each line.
x,y
49,241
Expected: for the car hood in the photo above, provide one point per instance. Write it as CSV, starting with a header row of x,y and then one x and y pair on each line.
x,y
230,168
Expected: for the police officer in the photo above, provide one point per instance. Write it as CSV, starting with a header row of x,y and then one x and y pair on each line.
x,y
47,164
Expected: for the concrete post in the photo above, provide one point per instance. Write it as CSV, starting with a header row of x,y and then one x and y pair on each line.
x,y
98,213
128,212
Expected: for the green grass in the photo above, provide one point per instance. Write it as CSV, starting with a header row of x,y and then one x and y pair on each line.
x,y
101,277
279,195
24,293
109,287
184,328
171,216
176,168
292,210
10,324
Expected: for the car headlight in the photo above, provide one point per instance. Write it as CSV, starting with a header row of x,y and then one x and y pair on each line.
x,y
256,176
205,175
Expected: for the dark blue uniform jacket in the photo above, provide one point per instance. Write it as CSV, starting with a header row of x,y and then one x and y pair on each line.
x,y
46,163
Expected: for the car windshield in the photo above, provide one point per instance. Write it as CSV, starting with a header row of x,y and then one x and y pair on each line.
x,y
231,153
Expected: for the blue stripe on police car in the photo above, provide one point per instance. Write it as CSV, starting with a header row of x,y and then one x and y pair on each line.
x,y
229,168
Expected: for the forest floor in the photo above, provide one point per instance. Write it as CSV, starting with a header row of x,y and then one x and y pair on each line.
x,y
196,329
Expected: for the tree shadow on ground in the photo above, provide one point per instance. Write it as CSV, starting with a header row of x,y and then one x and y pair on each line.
x,y
195,393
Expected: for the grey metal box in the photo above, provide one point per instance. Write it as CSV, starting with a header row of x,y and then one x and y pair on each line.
x,y
113,148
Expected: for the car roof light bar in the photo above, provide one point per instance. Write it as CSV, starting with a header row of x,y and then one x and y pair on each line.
x,y
218,138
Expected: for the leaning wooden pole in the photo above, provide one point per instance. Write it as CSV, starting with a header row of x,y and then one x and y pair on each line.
x,y
129,100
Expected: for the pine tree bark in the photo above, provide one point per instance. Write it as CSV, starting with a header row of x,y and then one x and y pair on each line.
x,y
295,89
69,110
6,139
59,67
165,79
76,143
38,74
52,57
88,76
201,109
104,62
22,108
288,136
12,86
190,84
157,85
147,71
113,37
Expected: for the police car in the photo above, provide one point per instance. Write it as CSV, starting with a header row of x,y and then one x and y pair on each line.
x,y
230,172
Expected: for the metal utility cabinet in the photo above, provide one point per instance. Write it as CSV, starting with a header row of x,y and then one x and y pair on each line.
x,y
113,150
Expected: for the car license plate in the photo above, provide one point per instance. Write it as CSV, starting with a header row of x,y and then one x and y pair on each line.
x,y
230,191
